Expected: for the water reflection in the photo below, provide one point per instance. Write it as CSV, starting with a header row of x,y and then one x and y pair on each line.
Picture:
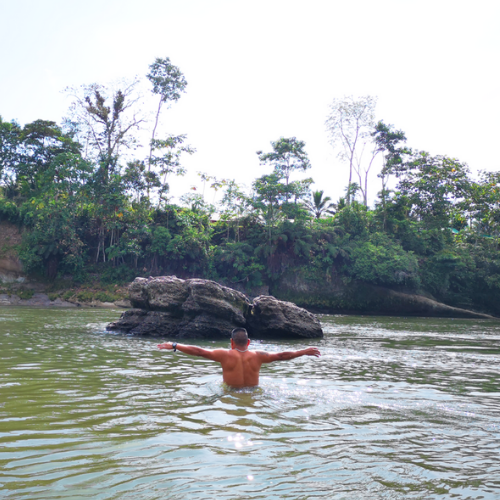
x,y
394,408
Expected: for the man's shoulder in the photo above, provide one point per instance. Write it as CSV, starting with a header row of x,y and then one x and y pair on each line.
x,y
222,351
262,354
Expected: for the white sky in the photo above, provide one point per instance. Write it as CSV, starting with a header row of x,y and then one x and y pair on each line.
x,y
259,70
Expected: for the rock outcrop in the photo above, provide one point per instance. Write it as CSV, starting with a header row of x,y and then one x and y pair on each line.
x,y
278,319
195,308
336,297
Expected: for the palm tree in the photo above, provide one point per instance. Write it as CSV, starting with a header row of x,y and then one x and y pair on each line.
x,y
318,205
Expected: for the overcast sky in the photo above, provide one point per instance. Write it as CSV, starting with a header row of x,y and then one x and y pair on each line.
x,y
259,70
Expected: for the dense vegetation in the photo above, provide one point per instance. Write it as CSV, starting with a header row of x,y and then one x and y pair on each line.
x,y
87,205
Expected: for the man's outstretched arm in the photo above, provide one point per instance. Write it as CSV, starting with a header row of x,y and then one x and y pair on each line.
x,y
268,357
193,350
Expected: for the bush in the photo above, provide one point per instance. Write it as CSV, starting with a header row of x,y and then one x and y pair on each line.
x,y
25,294
85,296
382,261
118,275
354,220
106,297
9,211
236,262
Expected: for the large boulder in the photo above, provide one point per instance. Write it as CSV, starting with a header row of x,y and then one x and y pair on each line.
x,y
273,318
171,307
166,293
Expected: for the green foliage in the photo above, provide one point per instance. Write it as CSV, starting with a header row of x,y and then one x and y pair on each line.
x,y
8,211
53,239
165,159
188,249
381,261
106,297
431,186
354,220
319,205
84,296
468,277
289,244
120,275
25,293
161,237
483,205
288,155
328,251
167,80
236,262
97,213
436,271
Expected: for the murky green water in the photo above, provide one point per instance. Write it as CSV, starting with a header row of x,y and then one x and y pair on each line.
x,y
395,408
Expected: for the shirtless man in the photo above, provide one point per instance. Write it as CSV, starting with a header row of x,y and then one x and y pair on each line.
x,y
240,367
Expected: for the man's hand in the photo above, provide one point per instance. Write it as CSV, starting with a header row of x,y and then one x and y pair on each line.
x,y
312,351
166,345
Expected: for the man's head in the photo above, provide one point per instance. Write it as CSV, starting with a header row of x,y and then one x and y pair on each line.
x,y
239,337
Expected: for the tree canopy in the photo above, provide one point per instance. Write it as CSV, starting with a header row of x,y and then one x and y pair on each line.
x,y
90,203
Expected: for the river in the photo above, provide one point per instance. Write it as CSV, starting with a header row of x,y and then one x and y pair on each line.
x,y
394,408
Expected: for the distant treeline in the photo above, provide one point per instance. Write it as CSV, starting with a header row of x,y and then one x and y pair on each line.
x,y
87,206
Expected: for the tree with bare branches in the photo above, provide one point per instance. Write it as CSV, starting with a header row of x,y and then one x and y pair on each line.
x,y
349,126
103,119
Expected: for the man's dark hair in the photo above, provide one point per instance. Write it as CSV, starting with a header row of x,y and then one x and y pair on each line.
x,y
240,336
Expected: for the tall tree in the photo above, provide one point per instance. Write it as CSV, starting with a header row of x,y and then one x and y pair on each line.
x,y
387,142
431,187
10,133
166,158
104,119
164,154
269,196
26,153
168,83
349,124
482,207
287,156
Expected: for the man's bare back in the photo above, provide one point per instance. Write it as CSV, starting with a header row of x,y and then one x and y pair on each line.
x,y
240,367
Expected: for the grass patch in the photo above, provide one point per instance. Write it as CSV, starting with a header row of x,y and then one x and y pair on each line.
x,y
25,294
106,297
85,296
89,295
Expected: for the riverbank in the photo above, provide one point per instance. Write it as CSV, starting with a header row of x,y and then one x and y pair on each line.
x,y
41,295
338,296
43,300
333,292
383,302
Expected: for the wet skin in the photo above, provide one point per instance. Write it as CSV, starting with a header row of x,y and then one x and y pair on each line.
x,y
240,367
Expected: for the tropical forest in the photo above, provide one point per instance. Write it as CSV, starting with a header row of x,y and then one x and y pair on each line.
x,y
95,210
